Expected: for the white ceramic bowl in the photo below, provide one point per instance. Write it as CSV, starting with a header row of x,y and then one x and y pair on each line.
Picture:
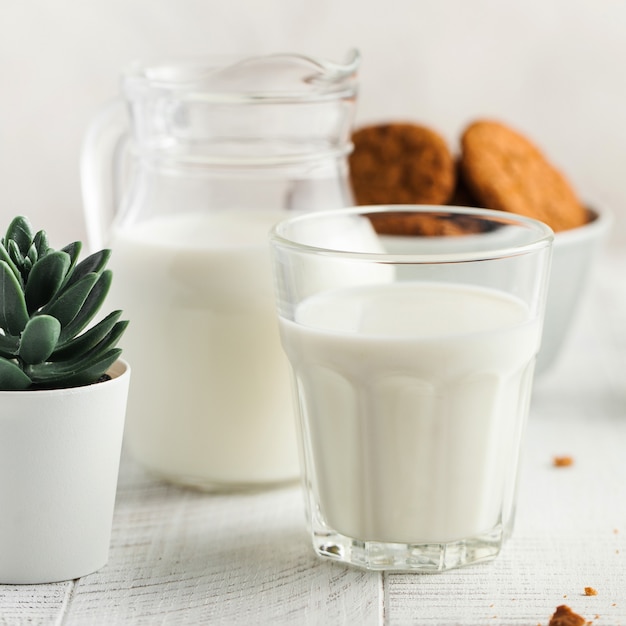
x,y
573,258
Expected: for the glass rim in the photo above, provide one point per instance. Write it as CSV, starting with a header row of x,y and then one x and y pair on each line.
x,y
544,235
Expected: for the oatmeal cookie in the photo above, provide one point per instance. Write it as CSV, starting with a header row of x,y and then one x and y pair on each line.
x,y
401,163
505,171
416,224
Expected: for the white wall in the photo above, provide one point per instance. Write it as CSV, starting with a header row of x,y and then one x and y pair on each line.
x,y
552,68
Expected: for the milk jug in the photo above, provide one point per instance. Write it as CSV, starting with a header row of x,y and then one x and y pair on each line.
x,y
182,178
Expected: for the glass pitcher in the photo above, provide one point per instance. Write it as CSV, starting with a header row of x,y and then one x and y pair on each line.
x,y
183,179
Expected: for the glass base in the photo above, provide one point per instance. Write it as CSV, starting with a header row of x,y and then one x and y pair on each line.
x,y
409,557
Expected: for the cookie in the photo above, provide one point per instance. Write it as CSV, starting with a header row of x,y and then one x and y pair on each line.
x,y
427,224
504,170
401,163
415,224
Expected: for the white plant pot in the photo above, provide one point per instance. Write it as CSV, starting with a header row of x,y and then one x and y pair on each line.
x,y
59,461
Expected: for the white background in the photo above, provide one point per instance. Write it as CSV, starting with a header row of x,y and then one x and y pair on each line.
x,y
554,69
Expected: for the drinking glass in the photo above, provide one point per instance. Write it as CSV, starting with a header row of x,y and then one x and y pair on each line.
x,y
412,334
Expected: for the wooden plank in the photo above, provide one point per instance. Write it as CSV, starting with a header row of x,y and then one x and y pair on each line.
x,y
184,557
34,604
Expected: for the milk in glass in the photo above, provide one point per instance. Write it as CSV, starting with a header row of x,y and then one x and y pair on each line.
x,y
410,395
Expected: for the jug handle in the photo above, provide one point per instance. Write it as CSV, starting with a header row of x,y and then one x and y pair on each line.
x,y
100,170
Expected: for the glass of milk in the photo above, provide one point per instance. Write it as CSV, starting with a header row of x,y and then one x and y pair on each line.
x,y
412,334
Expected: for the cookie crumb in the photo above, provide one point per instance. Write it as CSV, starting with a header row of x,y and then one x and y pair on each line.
x,y
590,591
562,461
564,616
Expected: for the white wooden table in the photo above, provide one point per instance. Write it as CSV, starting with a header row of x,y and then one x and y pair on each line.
x,y
182,557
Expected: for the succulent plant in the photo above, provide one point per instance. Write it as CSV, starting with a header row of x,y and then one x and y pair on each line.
x,y
47,300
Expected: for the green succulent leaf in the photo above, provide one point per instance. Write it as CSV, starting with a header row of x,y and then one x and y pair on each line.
x,y
93,264
12,378
13,312
32,255
4,256
68,302
90,306
93,369
40,243
21,232
45,279
9,346
15,253
39,339
80,372
107,327
108,341
73,249
94,354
